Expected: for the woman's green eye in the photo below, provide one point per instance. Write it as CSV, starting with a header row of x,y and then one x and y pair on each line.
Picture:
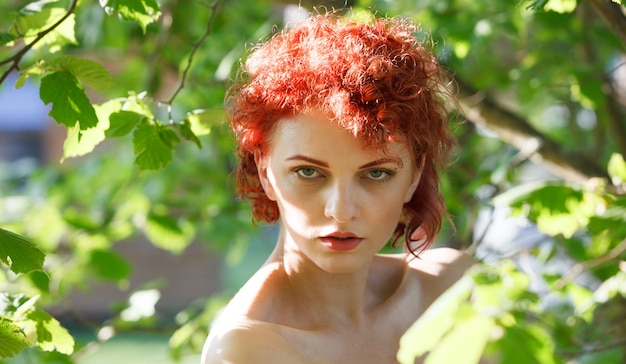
x,y
307,172
378,174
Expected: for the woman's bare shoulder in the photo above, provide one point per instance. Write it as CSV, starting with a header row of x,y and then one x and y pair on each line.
x,y
440,268
442,261
248,341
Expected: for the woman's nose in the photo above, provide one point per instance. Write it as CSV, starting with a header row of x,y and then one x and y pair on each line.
x,y
342,203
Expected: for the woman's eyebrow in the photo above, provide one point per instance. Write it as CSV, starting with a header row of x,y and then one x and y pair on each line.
x,y
308,159
397,161
380,161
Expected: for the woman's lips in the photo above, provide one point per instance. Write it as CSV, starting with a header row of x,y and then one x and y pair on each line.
x,y
341,243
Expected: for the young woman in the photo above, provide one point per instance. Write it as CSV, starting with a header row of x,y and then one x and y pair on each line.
x,y
341,130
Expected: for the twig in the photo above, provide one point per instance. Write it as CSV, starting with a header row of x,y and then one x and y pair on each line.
x,y
579,268
17,57
612,15
196,47
472,248
595,349
515,130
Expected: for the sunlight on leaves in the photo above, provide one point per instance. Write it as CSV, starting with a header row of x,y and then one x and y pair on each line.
x,y
617,169
561,6
51,336
19,253
143,12
454,347
461,49
188,134
203,120
37,22
556,207
167,233
31,326
12,339
81,142
526,344
69,101
609,225
88,72
426,333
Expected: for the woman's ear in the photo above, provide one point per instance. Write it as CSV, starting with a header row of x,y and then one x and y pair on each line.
x,y
261,167
417,176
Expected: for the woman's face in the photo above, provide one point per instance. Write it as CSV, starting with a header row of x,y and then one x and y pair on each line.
x,y
339,203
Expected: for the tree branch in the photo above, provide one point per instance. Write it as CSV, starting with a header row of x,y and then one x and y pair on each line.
x,y
615,117
579,268
195,48
612,13
612,109
17,57
515,130
595,349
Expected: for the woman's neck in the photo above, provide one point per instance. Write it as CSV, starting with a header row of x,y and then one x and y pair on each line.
x,y
320,298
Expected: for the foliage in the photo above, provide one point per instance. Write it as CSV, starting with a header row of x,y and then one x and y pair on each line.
x,y
542,137
21,323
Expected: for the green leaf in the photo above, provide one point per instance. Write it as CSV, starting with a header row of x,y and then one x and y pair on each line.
x,y
143,12
12,339
561,6
465,343
123,122
555,207
69,101
526,344
109,265
153,145
612,220
135,103
36,22
617,169
537,5
87,72
188,134
40,280
6,38
439,318
19,253
80,142
51,336
168,233
201,121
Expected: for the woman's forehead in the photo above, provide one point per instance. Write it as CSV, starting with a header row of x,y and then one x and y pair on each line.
x,y
315,130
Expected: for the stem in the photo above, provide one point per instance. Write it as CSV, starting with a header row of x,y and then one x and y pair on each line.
x,y
17,57
515,130
579,268
196,47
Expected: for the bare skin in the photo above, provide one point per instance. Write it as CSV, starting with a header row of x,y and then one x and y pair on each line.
x,y
313,302
261,325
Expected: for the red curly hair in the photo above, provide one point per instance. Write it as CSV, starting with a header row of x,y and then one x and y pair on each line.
x,y
377,80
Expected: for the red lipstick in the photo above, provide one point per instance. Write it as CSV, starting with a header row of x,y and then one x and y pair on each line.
x,y
341,241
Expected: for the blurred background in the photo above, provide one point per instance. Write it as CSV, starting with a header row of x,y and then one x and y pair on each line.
x,y
140,255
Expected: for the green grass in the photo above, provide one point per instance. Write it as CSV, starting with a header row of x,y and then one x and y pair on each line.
x,y
136,348
124,348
